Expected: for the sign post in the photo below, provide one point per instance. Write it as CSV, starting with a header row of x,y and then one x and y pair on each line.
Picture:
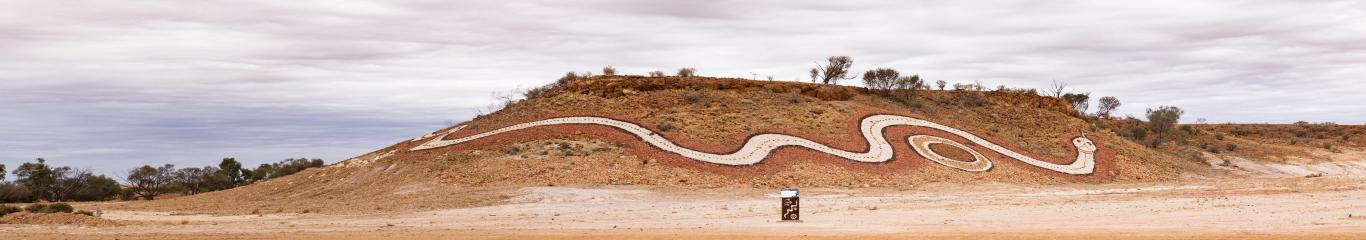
x,y
791,204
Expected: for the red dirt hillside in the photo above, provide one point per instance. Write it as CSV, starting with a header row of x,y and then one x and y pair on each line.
x,y
714,115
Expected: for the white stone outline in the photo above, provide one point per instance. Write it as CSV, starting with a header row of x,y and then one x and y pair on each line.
x,y
758,147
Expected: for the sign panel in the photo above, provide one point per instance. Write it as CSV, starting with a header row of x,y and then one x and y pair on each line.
x,y
791,204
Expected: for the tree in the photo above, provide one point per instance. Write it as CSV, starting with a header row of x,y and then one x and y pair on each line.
x,y
36,177
815,73
687,72
233,169
148,182
881,79
1079,101
657,74
95,188
2,172
1162,121
1107,104
835,69
1057,88
941,84
609,71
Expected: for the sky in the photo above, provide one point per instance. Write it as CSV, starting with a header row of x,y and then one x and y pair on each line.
x,y
110,85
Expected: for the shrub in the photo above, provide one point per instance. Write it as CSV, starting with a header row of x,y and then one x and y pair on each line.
x,y
7,209
1212,149
687,72
665,125
692,97
835,69
1079,101
1107,104
60,208
1138,133
974,99
609,71
794,96
881,80
1219,136
657,74
36,208
1231,147
87,213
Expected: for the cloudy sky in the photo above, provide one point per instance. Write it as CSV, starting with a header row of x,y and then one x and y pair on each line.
x,y
107,85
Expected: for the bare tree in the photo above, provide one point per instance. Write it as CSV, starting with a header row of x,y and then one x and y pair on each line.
x,y
836,68
1107,104
1057,88
687,72
609,71
941,84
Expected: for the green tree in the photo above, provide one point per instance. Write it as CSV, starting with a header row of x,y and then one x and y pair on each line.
x,y
1162,120
881,80
1079,101
36,177
1107,104
148,182
96,188
2,172
233,169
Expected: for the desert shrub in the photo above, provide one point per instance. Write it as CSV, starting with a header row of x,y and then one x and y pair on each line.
x,y
881,80
60,208
7,209
87,213
1138,133
36,208
1212,149
1107,104
1187,129
1300,133
1231,147
609,71
1328,146
657,74
1219,136
835,69
794,96
1162,120
692,97
13,193
974,99
1079,101
665,125
687,72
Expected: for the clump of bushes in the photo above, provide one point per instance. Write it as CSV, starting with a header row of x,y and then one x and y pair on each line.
x,y
1230,147
7,209
687,72
45,208
657,74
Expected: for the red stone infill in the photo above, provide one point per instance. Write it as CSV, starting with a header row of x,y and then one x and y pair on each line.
x,y
904,159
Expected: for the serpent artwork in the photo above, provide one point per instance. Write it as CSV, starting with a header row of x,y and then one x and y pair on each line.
x,y
758,147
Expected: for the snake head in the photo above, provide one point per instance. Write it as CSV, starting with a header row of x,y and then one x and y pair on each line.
x,y
1084,145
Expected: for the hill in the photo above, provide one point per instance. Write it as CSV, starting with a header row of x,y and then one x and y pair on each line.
x,y
689,132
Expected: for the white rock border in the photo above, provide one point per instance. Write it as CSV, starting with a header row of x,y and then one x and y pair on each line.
x,y
759,146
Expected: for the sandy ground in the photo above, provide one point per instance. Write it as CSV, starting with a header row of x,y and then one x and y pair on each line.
x,y
1284,208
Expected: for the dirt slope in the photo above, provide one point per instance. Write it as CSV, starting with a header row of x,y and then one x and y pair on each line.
x,y
708,114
